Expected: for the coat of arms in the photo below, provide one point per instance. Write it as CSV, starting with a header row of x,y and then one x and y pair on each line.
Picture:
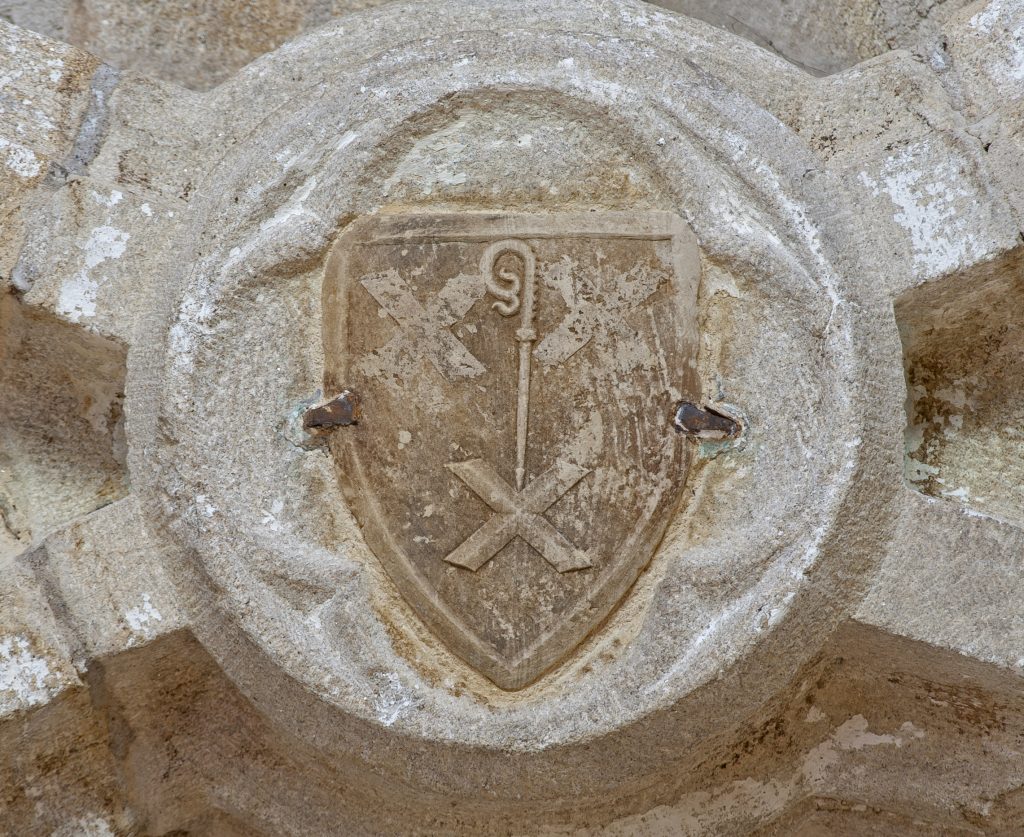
x,y
514,466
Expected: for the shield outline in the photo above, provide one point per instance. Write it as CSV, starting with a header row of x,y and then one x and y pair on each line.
x,y
589,613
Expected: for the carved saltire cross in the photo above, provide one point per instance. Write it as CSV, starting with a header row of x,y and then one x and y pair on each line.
x,y
598,305
518,514
423,328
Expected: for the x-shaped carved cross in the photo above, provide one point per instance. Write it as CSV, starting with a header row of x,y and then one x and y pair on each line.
x,y
600,307
518,514
423,330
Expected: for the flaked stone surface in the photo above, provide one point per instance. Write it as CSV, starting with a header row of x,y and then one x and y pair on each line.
x,y
537,368
217,617
200,45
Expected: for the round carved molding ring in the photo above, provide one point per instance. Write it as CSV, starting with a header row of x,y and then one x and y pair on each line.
x,y
282,587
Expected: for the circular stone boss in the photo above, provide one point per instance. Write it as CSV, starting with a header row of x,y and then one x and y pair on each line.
x,y
571,109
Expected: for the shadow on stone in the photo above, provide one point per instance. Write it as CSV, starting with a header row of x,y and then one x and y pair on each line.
x,y
62,448
963,345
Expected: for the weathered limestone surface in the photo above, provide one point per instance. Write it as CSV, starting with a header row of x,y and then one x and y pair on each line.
x,y
198,631
195,43
200,44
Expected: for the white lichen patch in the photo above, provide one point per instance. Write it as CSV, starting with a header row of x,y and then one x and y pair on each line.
x,y
77,296
917,471
852,735
909,729
392,699
814,715
56,69
85,827
984,20
8,78
26,678
1006,18
913,438
931,203
104,243
192,319
20,159
270,519
142,620
108,201
205,506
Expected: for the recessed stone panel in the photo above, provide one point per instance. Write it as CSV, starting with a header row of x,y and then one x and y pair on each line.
x,y
62,446
963,342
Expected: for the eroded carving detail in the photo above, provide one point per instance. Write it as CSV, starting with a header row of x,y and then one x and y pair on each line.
x,y
508,305
518,513
516,374
423,329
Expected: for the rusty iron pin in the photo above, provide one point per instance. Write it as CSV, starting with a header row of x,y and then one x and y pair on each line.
x,y
340,411
703,423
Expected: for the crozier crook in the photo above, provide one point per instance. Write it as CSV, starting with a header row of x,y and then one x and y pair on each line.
x,y
509,303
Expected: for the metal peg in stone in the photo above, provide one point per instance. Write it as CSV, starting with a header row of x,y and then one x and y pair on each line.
x,y
701,423
340,411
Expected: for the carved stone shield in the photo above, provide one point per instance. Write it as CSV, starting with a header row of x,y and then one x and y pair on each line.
x,y
515,465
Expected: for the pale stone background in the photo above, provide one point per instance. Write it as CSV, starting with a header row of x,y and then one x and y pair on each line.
x,y
890,139
200,44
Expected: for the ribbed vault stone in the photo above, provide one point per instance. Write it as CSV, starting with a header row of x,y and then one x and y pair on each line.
x,y
201,43
965,402
570,422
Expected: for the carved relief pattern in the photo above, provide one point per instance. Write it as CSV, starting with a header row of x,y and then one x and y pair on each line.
x,y
515,464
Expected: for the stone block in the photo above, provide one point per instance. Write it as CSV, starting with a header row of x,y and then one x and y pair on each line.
x,y
44,96
466,422
88,259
